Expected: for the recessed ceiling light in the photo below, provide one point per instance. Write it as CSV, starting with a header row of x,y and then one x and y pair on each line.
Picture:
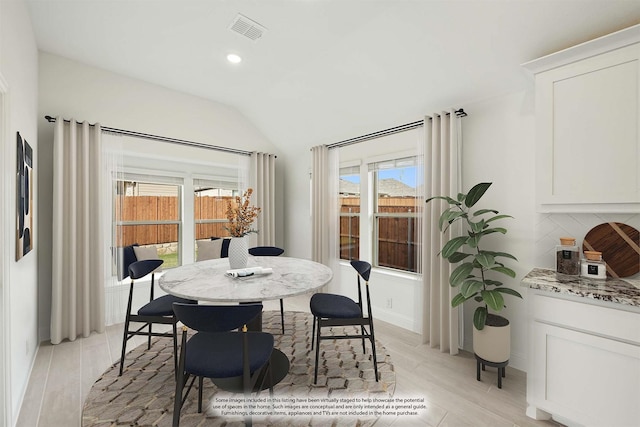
x,y
233,58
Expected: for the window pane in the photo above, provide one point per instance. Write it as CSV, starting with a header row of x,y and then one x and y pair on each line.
x,y
349,237
395,232
164,237
210,208
397,189
349,213
151,204
141,201
397,243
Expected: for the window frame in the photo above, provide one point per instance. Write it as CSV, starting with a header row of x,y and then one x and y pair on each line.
x,y
152,177
369,210
198,181
353,168
376,215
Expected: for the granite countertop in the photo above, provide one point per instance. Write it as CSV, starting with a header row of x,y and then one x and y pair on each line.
x,y
621,291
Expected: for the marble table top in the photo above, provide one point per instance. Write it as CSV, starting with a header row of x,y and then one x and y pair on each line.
x,y
206,280
621,291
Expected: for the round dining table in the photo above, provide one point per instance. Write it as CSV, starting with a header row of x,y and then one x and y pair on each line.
x,y
208,281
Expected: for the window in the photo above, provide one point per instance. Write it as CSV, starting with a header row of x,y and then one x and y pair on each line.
x,y
349,188
147,212
383,205
395,214
210,206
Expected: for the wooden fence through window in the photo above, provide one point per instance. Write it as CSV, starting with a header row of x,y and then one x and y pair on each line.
x,y
397,244
165,208
397,236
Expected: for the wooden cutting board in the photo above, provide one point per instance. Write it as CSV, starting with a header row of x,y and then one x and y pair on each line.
x,y
620,247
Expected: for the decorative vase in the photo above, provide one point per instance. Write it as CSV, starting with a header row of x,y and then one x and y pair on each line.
x,y
238,253
493,342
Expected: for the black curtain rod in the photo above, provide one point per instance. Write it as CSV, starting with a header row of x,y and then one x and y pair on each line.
x,y
163,139
397,129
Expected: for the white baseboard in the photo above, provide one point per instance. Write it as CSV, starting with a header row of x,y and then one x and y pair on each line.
x,y
23,393
395,319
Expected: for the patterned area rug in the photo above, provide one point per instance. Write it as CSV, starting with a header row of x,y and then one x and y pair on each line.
x,y
143,396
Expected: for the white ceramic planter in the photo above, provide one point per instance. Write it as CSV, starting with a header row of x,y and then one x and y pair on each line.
x,y
238,253
493,343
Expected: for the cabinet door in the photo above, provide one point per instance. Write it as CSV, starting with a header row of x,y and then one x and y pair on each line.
x,y
588,118
586,378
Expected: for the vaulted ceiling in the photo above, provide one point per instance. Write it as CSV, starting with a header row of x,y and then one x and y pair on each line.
x,y
326,70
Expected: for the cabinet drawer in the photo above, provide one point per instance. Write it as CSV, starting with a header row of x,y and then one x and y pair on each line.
x,y
608,322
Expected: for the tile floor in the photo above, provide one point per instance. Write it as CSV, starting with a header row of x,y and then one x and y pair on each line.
x,y
63,375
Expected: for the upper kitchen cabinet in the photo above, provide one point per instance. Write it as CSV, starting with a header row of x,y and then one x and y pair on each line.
x,y
588,126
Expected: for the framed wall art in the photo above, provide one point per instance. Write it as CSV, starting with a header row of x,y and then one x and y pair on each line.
x,y
24,197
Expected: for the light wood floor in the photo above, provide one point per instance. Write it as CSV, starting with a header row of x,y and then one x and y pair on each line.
x,y
63,375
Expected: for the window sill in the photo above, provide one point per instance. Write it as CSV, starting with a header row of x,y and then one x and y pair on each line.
x,y
383,271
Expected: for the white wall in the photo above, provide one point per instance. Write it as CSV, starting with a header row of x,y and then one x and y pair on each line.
x,y
19,68
74,90
498,147
297,209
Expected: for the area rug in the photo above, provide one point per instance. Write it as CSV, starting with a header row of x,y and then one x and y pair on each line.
x,y
346,393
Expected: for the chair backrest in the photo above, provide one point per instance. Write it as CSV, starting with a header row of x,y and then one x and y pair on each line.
x,y
140,269
266,251
125,256
364,270
224,252
362,267
215,318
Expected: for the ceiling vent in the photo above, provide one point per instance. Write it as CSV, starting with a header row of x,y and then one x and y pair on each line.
x,y
247,27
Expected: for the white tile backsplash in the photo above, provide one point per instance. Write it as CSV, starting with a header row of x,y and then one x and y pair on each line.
x,y
550,227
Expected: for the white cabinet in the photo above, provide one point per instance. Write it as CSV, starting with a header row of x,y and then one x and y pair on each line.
x,y
588,126
584,362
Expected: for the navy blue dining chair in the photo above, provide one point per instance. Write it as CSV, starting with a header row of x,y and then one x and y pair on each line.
x,y
331,310
218,351
156,311
270,251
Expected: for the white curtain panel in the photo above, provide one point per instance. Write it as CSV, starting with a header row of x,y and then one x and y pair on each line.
x,y
263,182
77,306
116,294
441,178
324,205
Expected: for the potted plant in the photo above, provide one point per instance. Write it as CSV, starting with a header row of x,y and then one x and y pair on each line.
x,y
240,216
475,276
